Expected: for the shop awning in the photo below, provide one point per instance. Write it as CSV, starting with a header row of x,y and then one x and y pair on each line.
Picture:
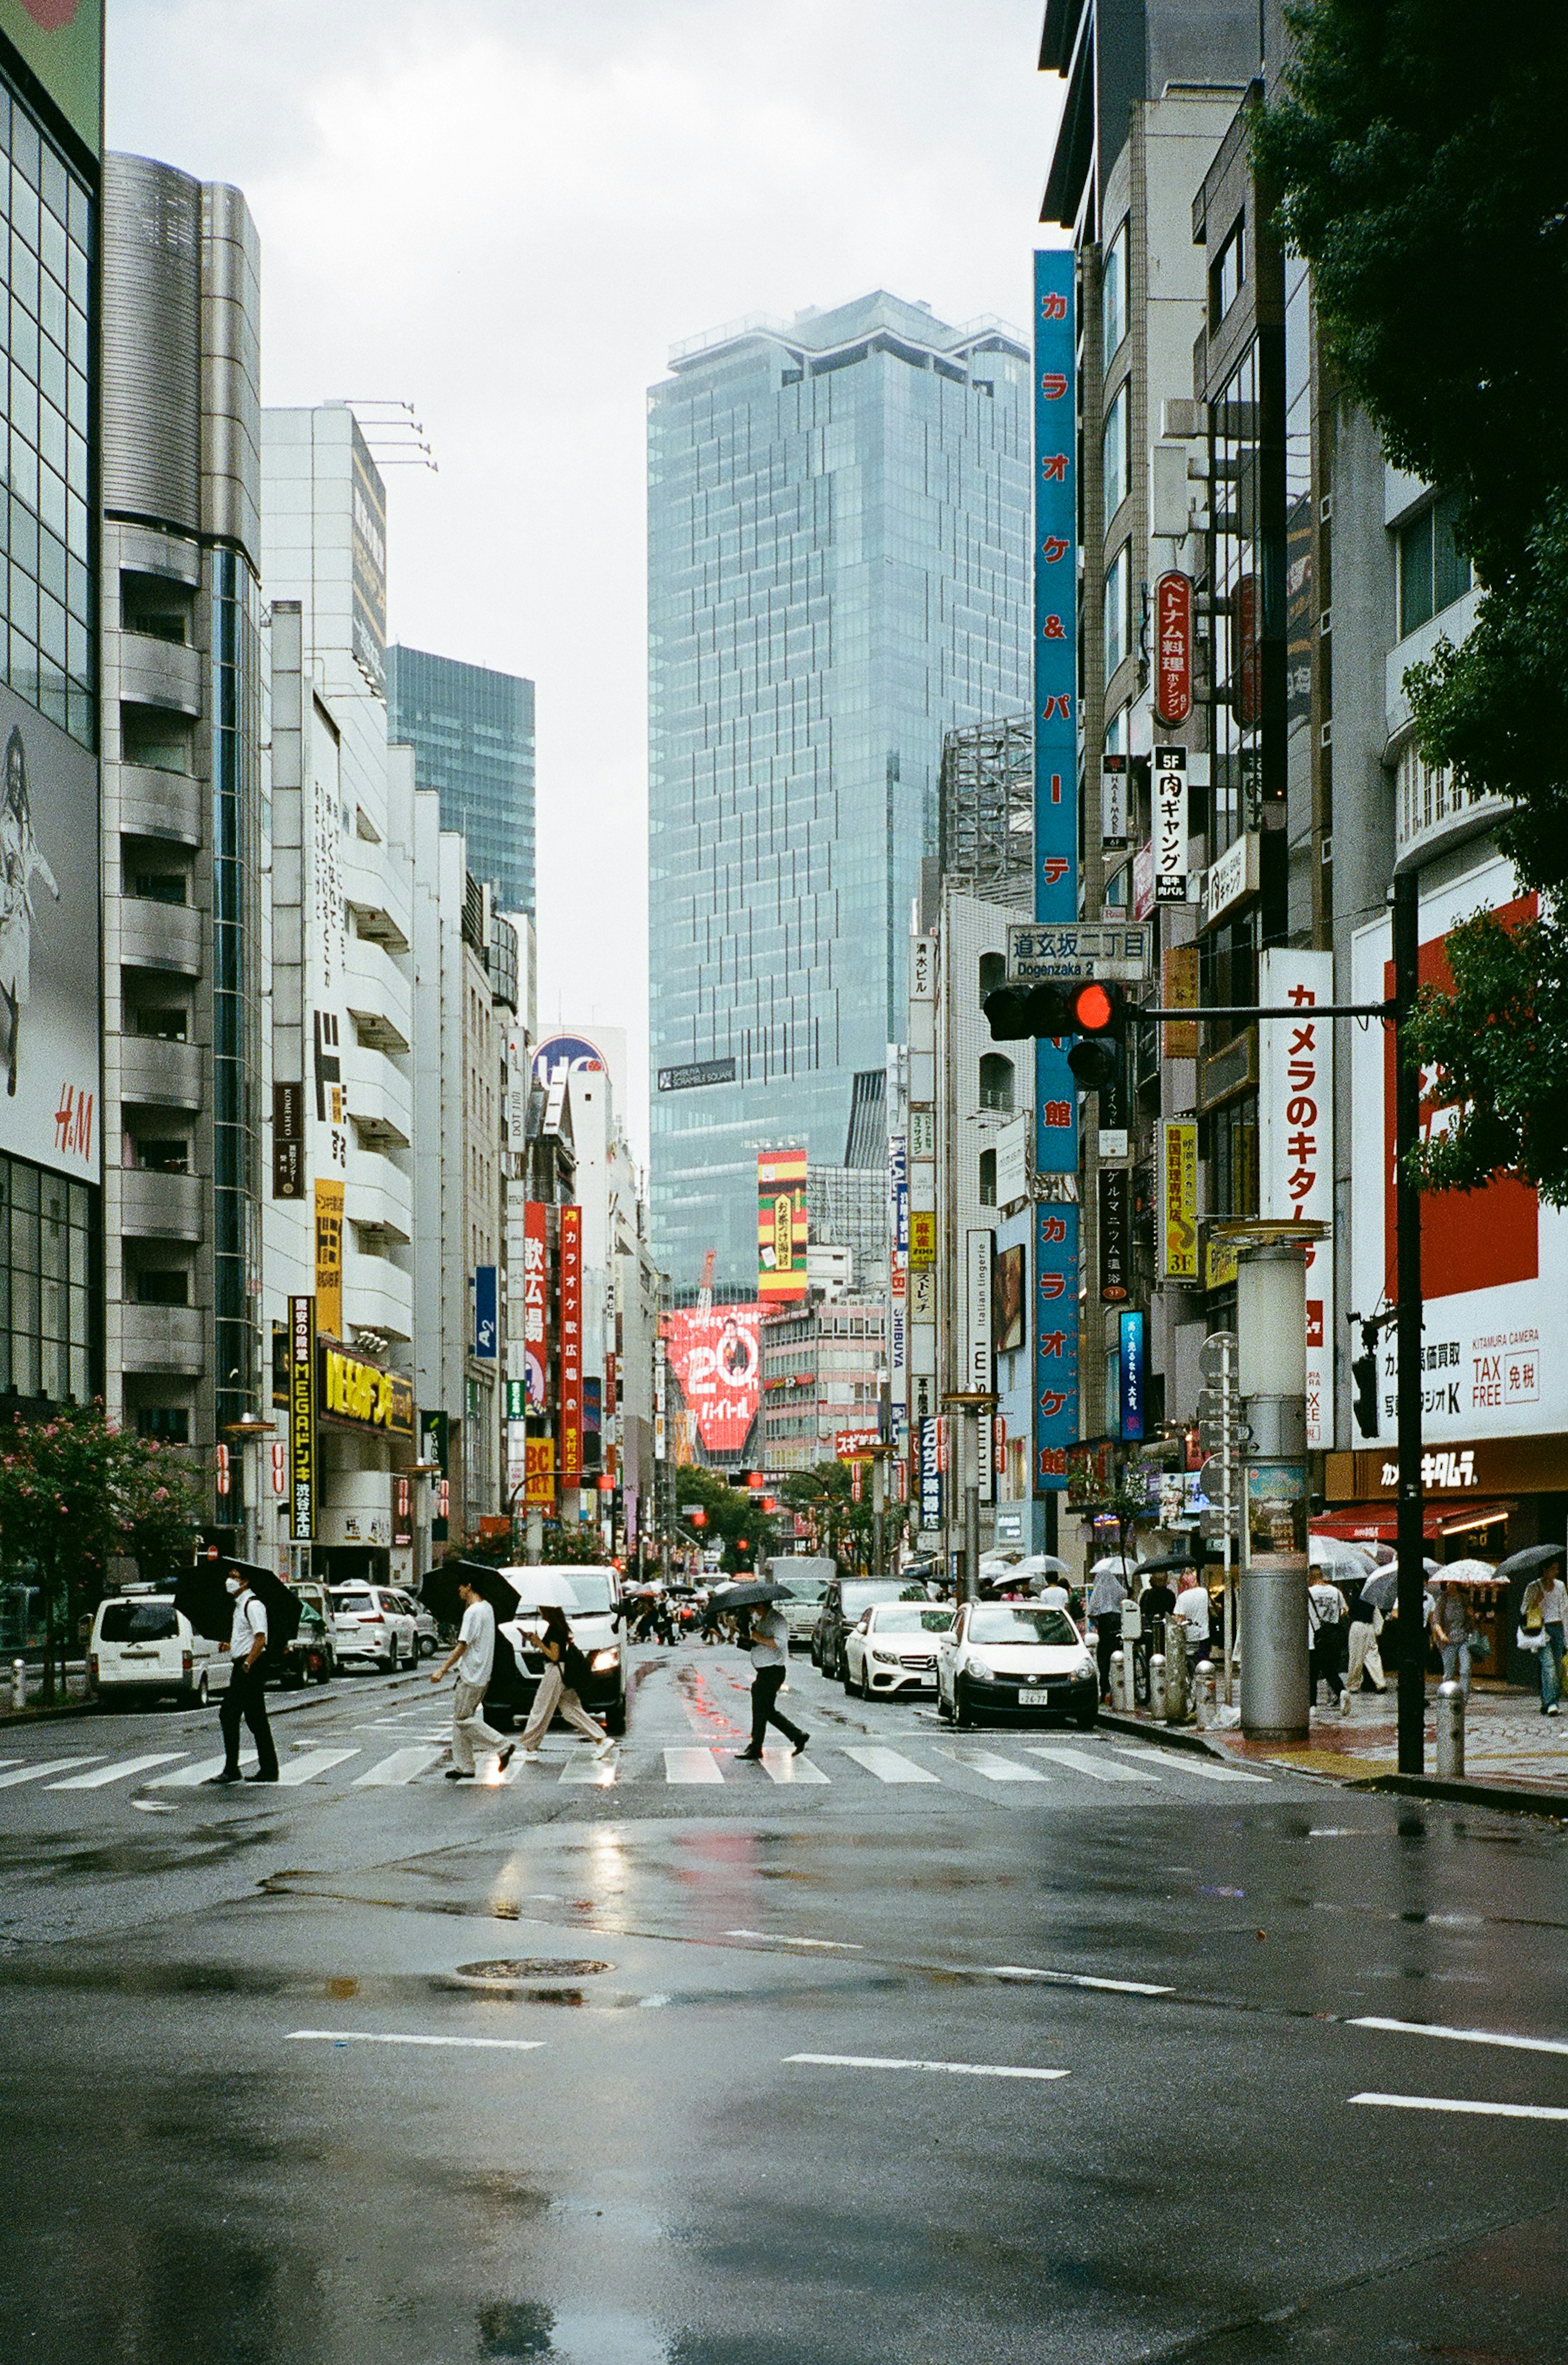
x,y
1378,1523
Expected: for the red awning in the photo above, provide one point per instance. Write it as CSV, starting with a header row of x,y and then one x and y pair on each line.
x,y
1377,1523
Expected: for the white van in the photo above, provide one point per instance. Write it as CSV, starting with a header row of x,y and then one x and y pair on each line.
x,y
141,1644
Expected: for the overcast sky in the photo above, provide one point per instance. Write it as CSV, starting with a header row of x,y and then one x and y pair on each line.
x,y
507,211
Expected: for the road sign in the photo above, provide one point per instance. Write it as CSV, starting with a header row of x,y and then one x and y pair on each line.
x,y
1116,950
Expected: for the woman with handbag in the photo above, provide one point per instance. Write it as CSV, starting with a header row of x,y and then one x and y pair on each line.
x,y
1543,1618
565,1668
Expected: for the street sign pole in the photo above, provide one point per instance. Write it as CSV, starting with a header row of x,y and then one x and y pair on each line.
x,y
1411,1595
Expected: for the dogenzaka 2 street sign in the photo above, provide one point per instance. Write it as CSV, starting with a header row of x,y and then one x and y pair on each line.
x,y
1118,951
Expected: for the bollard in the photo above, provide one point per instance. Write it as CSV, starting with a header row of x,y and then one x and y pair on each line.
x,y
1204,1693
1159,1698
1451,1734
18,1683
1176,1700
1119,1683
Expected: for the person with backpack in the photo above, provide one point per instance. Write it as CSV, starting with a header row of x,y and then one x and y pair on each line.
x,y
565,1669
246,1697
473,1656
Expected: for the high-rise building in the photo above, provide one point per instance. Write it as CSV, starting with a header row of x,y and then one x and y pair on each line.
x,y
471,733
838,572
182,810
51,1129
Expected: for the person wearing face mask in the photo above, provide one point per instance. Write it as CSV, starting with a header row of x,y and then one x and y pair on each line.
x,y
246,1697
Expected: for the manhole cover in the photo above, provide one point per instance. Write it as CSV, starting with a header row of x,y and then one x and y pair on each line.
x,y
532,1966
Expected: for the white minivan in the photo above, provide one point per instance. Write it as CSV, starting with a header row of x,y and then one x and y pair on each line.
x,y
140,1645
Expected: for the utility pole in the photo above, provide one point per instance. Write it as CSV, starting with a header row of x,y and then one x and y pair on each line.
x,y
1408,1233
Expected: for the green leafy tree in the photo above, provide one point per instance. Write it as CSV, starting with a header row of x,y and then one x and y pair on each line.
x,y
74,1492
846,1529
1423,172
736,1523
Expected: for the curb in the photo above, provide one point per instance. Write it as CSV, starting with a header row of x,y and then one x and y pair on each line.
x,y
1166,1736
1505,1799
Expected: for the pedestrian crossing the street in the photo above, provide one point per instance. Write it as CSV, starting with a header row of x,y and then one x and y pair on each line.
x,y
1010,1769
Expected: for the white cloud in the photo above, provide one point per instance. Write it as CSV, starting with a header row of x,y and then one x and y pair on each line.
x,y
508,213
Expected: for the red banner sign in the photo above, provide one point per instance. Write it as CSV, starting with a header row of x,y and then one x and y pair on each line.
x,y
1173,649
716,1360
536,1302
571,1346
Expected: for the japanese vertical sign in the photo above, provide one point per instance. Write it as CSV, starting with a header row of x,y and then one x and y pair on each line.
x,y
1295,1125
1173,650
301,1419
535,1295
1131,1373
1171,827
1176,1206
1056,845
571,1346
1115,1235
329,1257
486,1313
780,1225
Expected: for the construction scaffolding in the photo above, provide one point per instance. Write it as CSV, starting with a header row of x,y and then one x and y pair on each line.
x,y
987,810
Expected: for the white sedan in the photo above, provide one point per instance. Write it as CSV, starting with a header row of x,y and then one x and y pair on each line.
x,y
892,1648
1015,1659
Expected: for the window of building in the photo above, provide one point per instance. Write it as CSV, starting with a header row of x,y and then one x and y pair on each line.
x,y
1118,607
155,738
159,886
1433,571
163,1288
162,1154
996,1082
992,972
1113,453
164,1023
170,1424
1227,273
988,1178
1113,296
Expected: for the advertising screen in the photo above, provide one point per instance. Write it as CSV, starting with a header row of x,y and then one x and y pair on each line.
x,y
717,1362
48,946
780,1225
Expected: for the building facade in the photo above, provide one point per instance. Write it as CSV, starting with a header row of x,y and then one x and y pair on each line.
x,y
824,1368
471,733
838,528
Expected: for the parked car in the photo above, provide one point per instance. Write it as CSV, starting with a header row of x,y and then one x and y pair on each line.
x,y
426,1638
892,1647
141,1646
369,1627
1015,1658
808,1580
312,1655
593,1614
843,1602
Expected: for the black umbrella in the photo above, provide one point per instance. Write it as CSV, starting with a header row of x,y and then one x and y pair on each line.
x,y
202,1594
440,1589
752,1595
1534,1556
1166,1561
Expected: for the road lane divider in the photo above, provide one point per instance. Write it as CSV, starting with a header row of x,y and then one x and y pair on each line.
x,y
1075,1980
948,2068
379,2036
776,1938
1463,2035
1465,2110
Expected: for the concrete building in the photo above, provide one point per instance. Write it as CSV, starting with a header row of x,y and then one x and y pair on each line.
x,y
822,1365
838,567
471,730
182,821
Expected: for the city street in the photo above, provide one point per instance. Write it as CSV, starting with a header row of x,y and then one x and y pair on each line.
x,y
1033,2044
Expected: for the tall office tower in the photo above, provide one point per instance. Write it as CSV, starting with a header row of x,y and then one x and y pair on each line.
x,y
181,640
839,529
51,1129
471,733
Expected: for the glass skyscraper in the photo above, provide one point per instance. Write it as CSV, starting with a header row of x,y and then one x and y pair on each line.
x,y
838,531
472,733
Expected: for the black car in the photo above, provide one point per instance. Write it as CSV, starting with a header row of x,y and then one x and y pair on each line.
x,y
842,1603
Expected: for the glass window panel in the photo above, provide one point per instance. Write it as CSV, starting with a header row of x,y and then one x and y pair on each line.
x,y
52,436
51,500
51,564
51,690
24,537
1114,453
24,343
78,213
78,588
24,406
77,278
76,525
53,181
24,277
76,338
76,404
51,307
77,463
1113,295
52,245
5,119
24,602
78,651
25,212
51,372
51,629
25,147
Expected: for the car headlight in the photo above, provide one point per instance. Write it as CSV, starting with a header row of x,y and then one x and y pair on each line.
x,y
886,1658
602,1659
980,1671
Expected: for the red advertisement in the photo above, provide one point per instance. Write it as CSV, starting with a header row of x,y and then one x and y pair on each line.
x,y
571,1346
535,1306
1246,683
1173,649
716,1359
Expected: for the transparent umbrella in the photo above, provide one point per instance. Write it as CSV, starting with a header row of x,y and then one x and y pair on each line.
x,y
1340,1558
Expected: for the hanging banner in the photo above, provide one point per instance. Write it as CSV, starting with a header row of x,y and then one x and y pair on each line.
x,y
1115,827
1171,824
780,1225
1172,651
302,1419
486,1313
1176,1205
717,1362
329,1258
1056,1342
930,1472
1179,991
979,1370
539,1472
571,1346
1130,1369
1115,1235
1296,1146
535,1304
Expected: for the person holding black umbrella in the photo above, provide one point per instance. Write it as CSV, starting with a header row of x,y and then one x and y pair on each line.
x,y
473,1656
246,1697
769,1644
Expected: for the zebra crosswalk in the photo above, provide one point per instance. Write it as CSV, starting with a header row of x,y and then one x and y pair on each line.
x,y
1028,1772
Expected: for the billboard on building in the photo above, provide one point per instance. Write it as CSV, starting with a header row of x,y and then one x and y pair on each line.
x,y
717,1361
368,543
571,1299
1296,1146
536,1302
301,1419
1007,1299
62,41
780,1225
329,1257
586,1052
48,946
1176,1201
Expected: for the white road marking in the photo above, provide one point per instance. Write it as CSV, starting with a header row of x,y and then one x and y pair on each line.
x,y
308,1764
599,1773
1183,1763
119,1771
1466,2035
1099,1769
1468,2110
400,1767
952,2068
190,1777
994,1768
153,1807
691,1765
375,2036
1076,1979
889,1765
781,1764
48,1766
776,1938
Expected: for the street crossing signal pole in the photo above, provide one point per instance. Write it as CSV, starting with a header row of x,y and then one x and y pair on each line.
x,y
1409,1538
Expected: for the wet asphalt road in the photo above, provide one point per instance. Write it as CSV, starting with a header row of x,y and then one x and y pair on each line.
x,y
605,2147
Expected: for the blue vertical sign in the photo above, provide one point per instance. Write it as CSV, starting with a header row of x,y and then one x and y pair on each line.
x,y
486,1312
1131,1373
1056,844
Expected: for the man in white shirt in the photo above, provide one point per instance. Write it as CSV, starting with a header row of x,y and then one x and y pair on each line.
x,y
1192,1609
473,1656
246,1697
1545,1610
769,1643
1325,1607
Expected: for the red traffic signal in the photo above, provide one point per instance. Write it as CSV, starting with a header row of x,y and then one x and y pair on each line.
x,y
1093,1008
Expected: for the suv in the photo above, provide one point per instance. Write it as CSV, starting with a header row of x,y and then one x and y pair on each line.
x,y
426,1638
842,1603
594,1617
369,1627
140,1644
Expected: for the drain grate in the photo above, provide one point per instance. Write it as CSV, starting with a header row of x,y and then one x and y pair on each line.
x,y
532,1966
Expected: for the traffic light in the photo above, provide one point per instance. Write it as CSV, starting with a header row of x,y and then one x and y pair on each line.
x,y
1093,1016
1363,1375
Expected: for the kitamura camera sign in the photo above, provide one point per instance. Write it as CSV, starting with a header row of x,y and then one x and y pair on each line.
x,y
50,1045
1493,1263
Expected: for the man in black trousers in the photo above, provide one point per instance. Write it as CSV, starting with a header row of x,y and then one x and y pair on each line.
x,y
246,1696
769,1646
